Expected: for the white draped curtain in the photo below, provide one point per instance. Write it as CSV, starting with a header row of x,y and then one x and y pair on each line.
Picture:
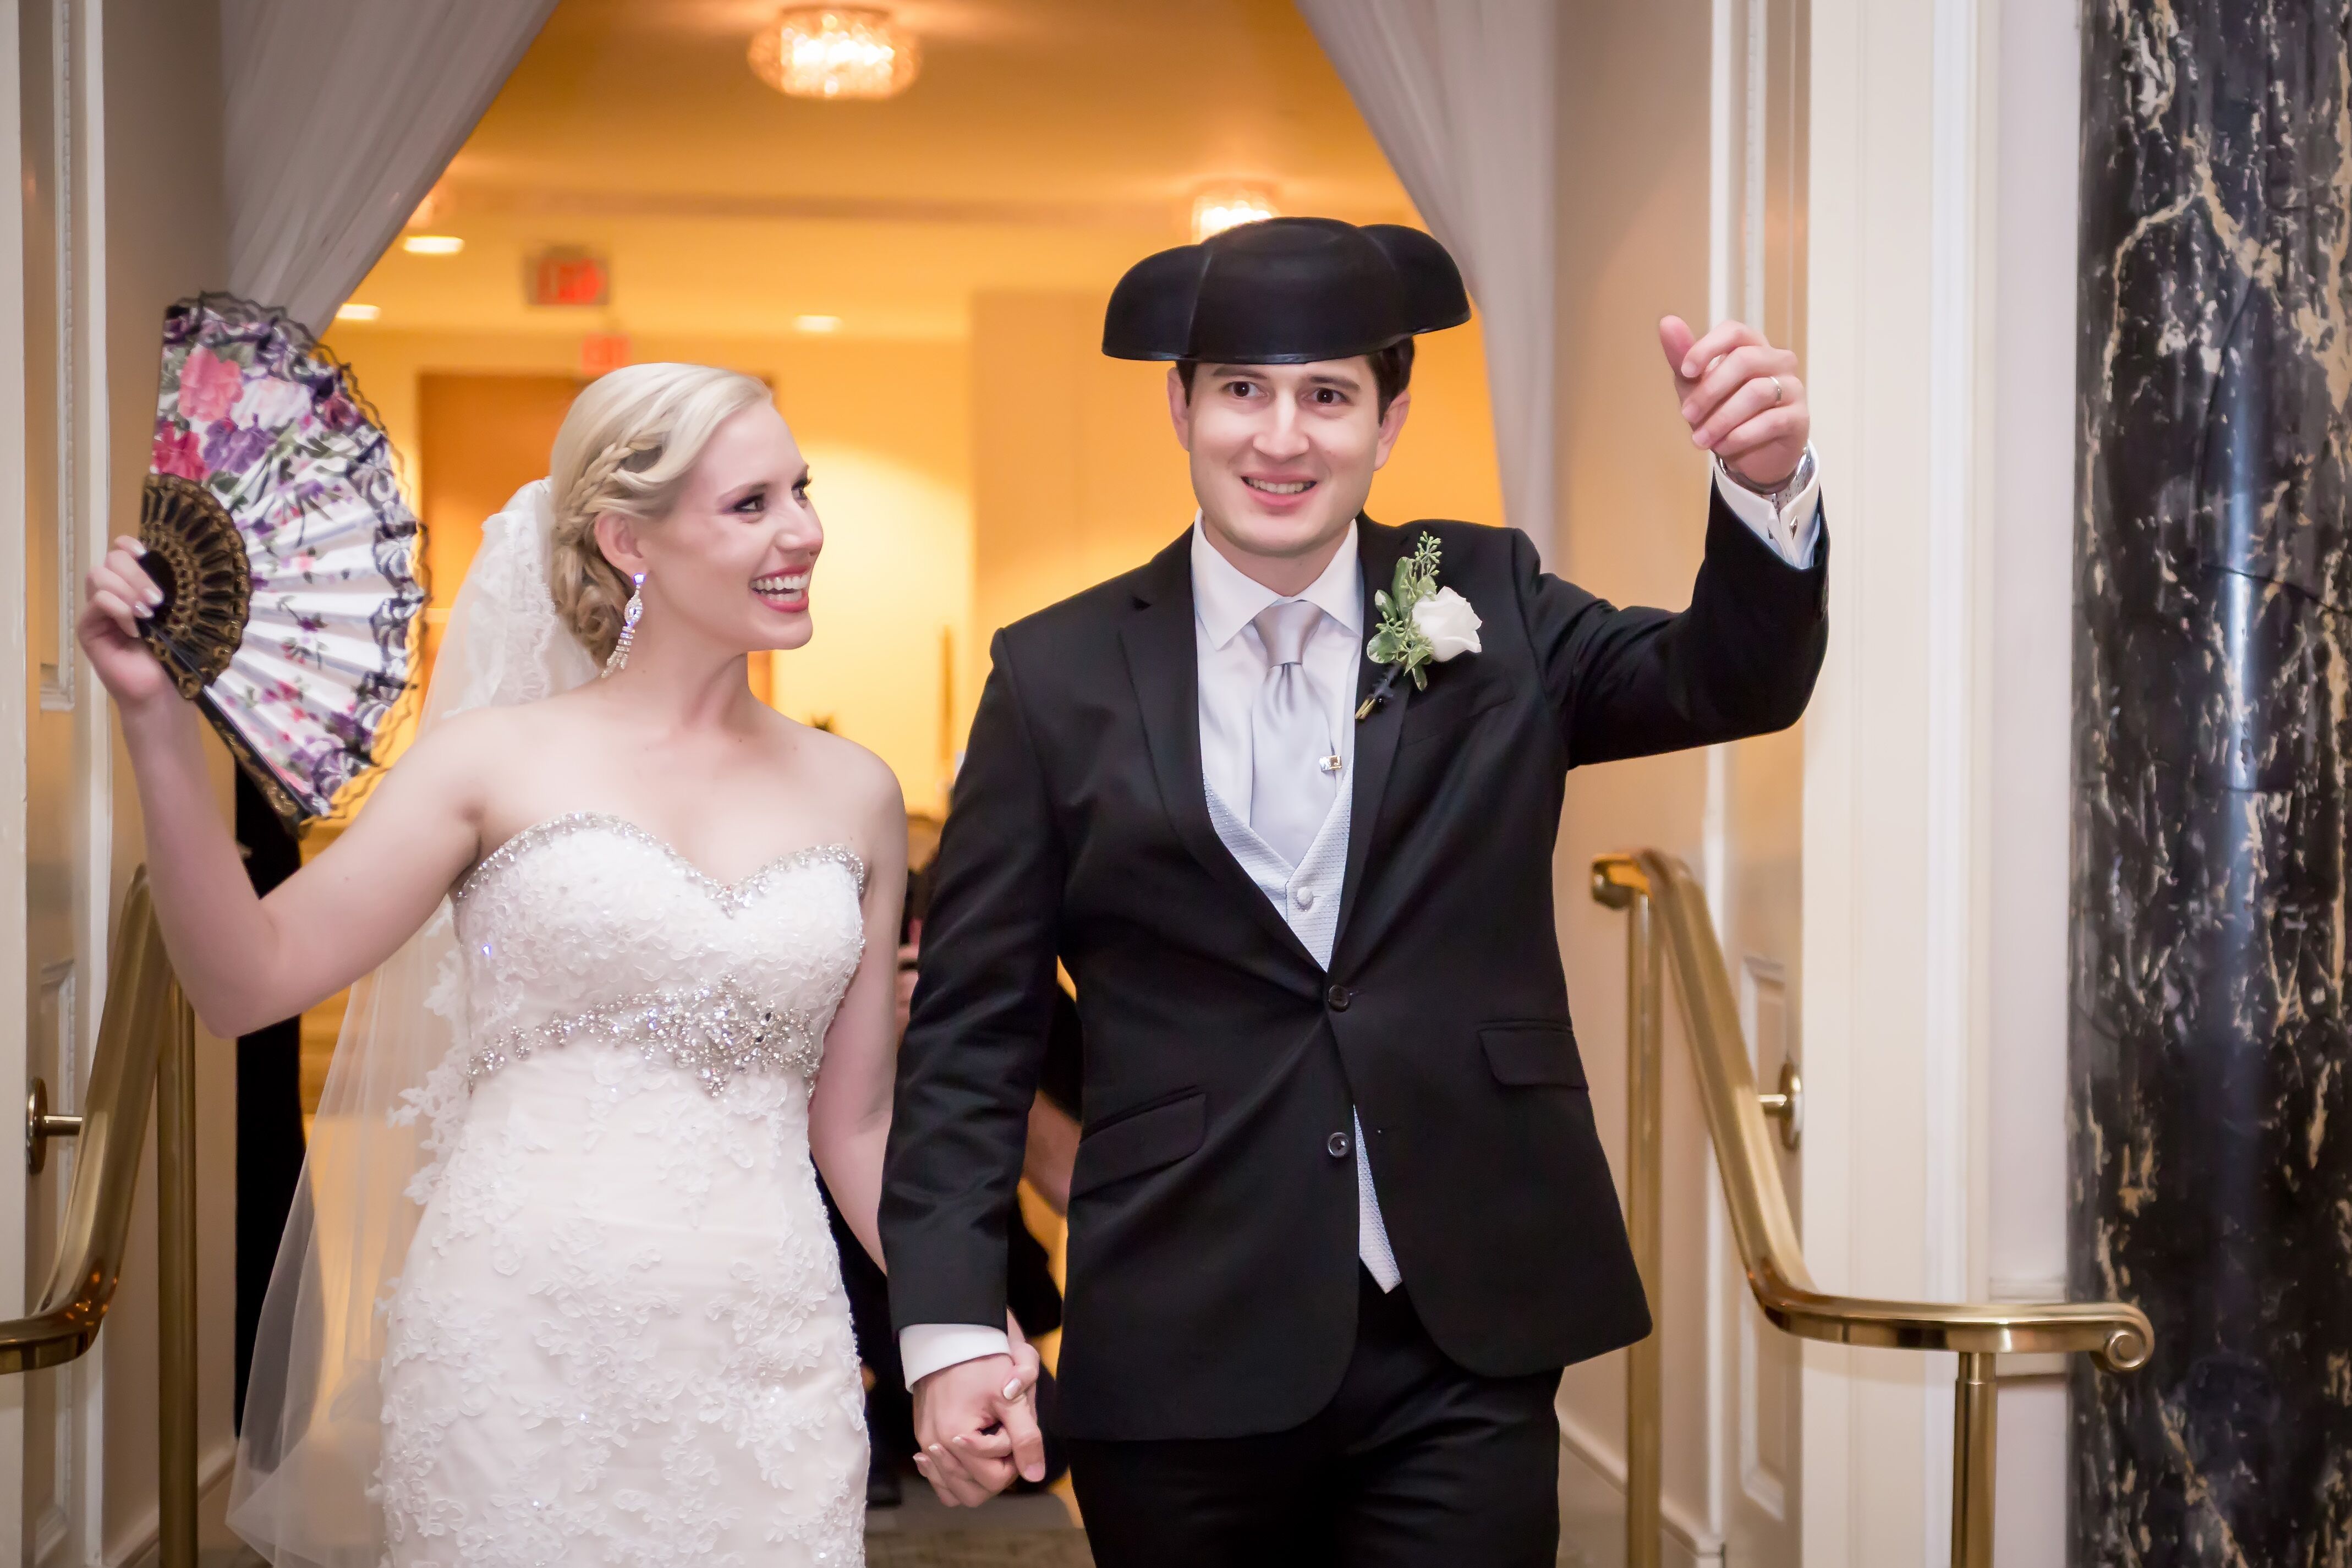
x,y
341,114
1460,95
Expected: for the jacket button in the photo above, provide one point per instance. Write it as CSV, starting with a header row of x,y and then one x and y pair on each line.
x,y
1338,1145
1339,997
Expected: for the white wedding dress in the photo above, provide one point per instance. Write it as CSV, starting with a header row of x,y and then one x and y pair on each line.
x,y
620,1336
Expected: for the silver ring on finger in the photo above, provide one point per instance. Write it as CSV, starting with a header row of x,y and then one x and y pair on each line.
x,y
1778,391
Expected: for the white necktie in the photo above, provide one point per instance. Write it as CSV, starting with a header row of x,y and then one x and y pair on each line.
x,y
1290,734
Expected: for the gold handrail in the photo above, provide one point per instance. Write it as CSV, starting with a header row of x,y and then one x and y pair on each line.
x,y
1658,891
146,1037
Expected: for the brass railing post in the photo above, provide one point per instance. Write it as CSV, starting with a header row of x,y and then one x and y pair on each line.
x,y
175,1248
1975,1410
1645,1177
1645,1218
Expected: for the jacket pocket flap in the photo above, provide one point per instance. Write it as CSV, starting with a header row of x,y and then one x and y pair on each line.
x,y
1140,1142
1522,1054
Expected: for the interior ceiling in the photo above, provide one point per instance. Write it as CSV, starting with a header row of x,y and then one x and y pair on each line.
x,y
1046,143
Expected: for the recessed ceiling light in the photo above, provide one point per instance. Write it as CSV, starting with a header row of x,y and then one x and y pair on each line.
x,y
818,323
355,312
1222,206
432,245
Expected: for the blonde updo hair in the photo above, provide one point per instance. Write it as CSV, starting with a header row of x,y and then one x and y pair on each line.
x,y
626,447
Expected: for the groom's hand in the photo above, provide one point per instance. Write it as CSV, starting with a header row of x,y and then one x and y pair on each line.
x,y
1741,398
977,1428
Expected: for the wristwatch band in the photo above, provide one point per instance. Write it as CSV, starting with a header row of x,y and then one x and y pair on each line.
x,y
1781,494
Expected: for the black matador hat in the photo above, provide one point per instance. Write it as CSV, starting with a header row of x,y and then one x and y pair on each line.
x,y
1288,291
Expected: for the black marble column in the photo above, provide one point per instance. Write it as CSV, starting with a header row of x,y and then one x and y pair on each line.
x,y
2212,1078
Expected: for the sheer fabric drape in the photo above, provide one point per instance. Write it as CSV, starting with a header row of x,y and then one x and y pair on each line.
x,y
339,119
1460,94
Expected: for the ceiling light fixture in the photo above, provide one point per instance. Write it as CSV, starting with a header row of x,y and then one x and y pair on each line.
x,y
818,323
431,244
1222,206
355,312
836,51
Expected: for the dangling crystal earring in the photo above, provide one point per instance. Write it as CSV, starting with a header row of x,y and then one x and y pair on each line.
x,y
629,613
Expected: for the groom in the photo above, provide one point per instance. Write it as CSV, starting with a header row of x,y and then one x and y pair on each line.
x,y
1340,1214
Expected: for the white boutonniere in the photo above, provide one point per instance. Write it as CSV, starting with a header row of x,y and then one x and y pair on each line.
x,y
1421,623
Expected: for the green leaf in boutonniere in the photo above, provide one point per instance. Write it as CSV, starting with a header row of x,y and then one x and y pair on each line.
x,y
1408,642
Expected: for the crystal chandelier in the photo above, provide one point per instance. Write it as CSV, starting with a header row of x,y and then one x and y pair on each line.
x,y
836,51
1220,207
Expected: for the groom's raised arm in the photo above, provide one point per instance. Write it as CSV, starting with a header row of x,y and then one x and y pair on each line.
x,y
1740,661
976,1040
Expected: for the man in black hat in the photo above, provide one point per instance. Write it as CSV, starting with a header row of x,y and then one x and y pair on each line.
x,y
1283,801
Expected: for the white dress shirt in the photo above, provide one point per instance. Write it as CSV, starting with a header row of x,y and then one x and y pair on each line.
x,y
1233,666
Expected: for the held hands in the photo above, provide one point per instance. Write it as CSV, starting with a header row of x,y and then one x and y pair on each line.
x,y
1741,398
976,1426
118,594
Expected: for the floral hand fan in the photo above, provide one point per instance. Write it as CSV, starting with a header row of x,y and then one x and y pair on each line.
x,y
292,610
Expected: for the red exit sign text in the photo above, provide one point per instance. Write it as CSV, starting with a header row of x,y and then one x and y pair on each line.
x,y
568,276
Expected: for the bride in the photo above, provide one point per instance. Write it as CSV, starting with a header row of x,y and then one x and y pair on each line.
x,y
557,1286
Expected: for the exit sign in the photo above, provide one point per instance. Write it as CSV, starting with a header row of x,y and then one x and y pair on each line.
x,y
568,275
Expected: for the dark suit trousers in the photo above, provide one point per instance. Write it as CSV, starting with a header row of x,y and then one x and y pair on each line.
x,y
1415,1463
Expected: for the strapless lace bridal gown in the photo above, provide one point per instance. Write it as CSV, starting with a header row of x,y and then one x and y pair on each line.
x,y
620,1336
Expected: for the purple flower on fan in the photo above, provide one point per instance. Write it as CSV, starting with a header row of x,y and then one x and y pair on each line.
x,y
209,387
236,447
179,452
339,412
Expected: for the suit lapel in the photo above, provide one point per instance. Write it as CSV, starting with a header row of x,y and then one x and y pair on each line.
x,y
1163,661
1378,549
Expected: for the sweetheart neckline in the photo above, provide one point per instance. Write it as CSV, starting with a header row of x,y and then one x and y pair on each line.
x,y
733,893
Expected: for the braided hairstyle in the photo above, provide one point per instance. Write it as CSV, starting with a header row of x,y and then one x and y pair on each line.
x,y
627,447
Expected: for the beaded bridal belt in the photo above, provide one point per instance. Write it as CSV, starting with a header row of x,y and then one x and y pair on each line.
x,y
715,1032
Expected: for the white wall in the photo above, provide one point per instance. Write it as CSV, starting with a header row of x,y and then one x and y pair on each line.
x,y
2036,89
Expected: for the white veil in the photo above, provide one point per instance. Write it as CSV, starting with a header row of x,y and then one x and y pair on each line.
x,y
307,1456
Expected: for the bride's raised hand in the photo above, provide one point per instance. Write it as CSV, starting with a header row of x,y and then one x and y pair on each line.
x,y
118,596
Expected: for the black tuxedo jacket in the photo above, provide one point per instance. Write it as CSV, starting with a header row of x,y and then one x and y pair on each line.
x,y
1213,1215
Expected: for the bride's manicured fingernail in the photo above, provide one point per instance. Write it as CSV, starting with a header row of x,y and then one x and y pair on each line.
x,y
136,548
1012,1389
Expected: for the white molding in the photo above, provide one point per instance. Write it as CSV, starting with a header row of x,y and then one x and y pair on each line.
x,y
1957,741
143,1547
15,679
1582,1444
67,53
84,489
1894,987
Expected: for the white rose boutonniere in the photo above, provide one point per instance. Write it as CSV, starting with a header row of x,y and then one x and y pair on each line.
x,y
1449,623
1421,623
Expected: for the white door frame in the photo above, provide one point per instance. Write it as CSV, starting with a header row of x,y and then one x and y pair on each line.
x,y
1898,740
16,676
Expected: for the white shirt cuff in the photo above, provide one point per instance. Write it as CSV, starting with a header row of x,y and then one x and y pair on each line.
x,y
1791,529
927,1348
